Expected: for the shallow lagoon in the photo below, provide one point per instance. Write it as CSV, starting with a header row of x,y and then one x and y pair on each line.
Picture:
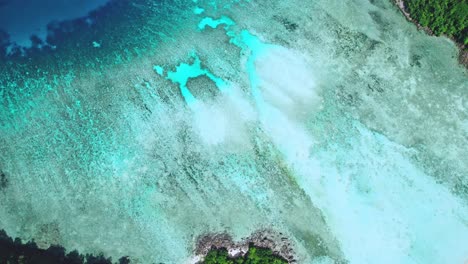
x,y
336,123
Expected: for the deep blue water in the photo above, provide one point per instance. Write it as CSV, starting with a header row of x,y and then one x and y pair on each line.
x,y
28,23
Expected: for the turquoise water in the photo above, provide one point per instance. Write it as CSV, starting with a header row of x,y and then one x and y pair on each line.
x,y
335,123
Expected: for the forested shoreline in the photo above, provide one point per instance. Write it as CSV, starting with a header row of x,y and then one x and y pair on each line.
x,y
441,17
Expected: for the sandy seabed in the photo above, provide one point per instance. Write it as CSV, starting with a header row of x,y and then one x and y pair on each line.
x,y
336,123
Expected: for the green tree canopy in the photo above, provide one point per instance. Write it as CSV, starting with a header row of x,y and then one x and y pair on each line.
x,y
255,255
449,17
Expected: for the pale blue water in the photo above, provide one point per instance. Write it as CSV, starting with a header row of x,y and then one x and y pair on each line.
x,y
346,133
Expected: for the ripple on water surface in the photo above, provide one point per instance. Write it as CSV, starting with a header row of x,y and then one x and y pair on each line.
x,y
335,123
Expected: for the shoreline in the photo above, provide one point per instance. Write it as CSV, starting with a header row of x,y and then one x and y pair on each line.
x,y
462,51
277,242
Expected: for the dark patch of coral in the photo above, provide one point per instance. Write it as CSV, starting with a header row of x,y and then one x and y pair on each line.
x,y
288,25
3,180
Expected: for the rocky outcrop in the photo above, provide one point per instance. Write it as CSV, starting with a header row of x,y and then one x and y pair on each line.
x,y
277,242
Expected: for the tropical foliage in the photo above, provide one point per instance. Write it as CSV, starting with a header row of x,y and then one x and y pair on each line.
x,y
255,255
449,17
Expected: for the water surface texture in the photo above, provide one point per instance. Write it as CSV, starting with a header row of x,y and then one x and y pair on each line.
x,y
150,123
21,19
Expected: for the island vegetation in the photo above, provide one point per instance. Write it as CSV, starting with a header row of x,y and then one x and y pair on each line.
x,y
15,251
442,17
255,255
